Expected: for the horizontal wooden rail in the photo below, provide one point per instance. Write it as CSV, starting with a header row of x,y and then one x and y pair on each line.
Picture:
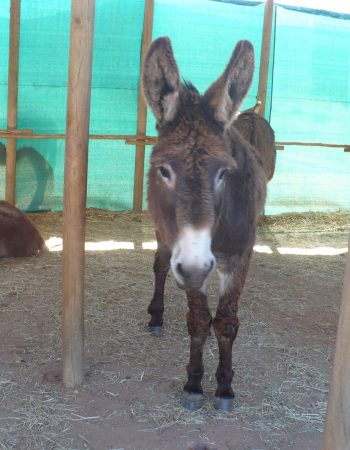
x,y
144,140
28,134
15,133
316,144
131,139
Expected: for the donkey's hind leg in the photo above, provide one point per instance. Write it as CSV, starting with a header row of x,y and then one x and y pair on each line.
x,y
161,268
232,276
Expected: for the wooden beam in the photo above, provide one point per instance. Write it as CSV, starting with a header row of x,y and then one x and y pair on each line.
x,y
337,429
265,56
313,144
12,99
133,139
75,186
141,140
142,109
130,138
15,133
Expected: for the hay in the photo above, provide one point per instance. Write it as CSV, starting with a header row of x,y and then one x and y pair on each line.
x,y
282,354
307,222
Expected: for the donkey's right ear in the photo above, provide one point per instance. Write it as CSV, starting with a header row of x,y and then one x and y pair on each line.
x,y
161,81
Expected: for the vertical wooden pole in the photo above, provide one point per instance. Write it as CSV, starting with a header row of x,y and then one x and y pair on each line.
x,y
265,56
12,99
75,186
337,429
142,108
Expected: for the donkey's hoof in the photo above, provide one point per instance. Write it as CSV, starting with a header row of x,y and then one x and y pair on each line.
x,y
224,404
156,330
192,401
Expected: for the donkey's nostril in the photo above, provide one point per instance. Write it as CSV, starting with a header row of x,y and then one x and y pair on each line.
x,y
180,270
209,265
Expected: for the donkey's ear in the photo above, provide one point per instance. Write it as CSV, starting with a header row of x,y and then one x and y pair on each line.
x,y
161,81
225,95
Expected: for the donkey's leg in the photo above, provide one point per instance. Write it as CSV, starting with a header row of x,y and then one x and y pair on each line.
x,y
198,324
232,276
161,268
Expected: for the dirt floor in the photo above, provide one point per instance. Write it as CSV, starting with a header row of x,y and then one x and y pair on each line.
x,y
130,398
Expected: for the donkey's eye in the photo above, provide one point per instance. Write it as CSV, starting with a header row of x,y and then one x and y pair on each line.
x,y
221,174
220,177
165,173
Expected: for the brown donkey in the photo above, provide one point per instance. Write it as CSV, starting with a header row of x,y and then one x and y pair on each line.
x,y
206,190
18,236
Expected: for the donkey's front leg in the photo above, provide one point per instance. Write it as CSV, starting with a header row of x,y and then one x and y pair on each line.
x,y
232,273
161,268
198,324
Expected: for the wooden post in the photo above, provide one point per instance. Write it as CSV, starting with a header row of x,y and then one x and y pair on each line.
x,y
75,182
142,109
265,56
12,99
337,429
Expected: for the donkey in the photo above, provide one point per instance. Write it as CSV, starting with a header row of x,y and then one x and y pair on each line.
x,y
206,189
258,132
18,236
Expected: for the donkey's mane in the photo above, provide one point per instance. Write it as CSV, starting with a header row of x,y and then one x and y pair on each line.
x,y
193,98
189,87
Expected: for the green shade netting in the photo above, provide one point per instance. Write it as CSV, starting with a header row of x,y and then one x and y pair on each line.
x,y
308,94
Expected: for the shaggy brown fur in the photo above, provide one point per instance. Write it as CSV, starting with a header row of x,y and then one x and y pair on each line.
x,y
258,132
205,176
18,236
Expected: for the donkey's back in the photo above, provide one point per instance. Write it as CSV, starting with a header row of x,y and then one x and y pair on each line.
x,y
18,236
258,132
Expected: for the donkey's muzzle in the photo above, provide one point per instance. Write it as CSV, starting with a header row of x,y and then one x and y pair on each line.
x,y
193,277
192,260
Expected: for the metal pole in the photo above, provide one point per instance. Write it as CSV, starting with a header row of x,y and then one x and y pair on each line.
x,y
265,56
75,186
142,109
12,99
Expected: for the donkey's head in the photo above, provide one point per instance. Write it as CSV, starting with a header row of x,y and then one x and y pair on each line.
x,y
192,157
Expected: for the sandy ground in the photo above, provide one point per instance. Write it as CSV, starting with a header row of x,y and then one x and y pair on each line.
x,y
130,398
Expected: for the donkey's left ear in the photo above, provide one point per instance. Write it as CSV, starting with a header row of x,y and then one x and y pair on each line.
x,y
161,81
225,95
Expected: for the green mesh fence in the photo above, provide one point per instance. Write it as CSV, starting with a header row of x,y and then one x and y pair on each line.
x,y
44,51
311,103
308,94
